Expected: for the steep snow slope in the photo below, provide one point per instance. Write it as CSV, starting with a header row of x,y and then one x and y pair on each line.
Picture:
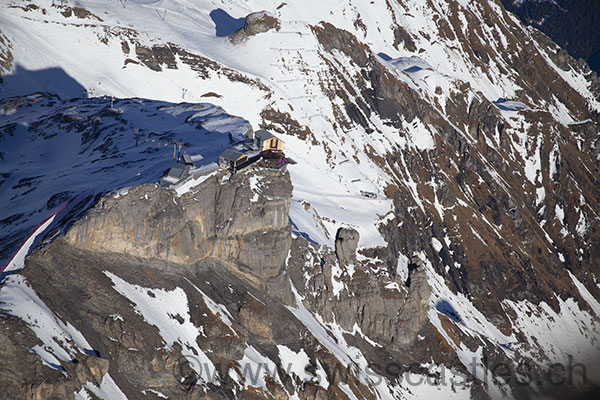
x,y
478,137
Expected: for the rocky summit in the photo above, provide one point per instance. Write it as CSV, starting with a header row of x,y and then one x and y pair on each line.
x,y
393,199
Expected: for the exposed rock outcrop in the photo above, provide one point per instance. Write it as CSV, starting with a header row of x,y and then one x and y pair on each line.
x,y
232,239
490,218
6,57
346,242
386,312
242,221
255,23
37,381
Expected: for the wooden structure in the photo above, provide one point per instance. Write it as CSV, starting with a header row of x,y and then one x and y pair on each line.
x,y
264,140
231,159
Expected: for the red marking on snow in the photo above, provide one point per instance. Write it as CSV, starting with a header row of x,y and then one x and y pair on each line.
x,y
34,233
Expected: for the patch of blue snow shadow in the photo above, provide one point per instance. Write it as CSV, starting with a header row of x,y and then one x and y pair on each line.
x,y
444,307
410,64
225,24
511,105
23,81
384,56
414,68
296,231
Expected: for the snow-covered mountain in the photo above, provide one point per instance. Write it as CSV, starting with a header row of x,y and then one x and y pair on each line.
x,y
478,135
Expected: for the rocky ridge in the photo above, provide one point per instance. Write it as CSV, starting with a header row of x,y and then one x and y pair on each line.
x,y
223,219
229,236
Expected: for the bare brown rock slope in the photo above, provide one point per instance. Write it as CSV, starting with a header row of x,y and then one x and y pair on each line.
x,y
218,246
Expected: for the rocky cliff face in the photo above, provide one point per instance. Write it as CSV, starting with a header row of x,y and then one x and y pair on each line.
x,y
226,247
241,220
255,23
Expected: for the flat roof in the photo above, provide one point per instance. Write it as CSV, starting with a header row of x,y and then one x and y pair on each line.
x,y
177,171
263,134
232,155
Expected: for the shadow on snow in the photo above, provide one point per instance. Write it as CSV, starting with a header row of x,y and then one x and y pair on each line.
x,y
225,24
53,80
444,307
